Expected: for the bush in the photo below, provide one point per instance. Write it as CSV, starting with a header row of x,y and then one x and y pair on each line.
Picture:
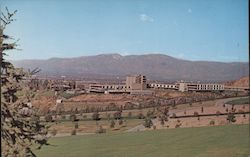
x,y
231,118
212,122
218,113
196,114
53,132
148,123
120,122
100,130
112,124
141,116
241,111
84,116
63,117
96,116
73,117
48,118
154,127
118,115
177,125
73,132
173,115
76,126
130,114
162,121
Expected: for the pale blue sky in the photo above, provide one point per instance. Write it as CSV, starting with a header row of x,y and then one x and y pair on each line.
x,y
190,29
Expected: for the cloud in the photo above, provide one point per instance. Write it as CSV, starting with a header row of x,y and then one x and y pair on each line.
x,y
146,18
189,10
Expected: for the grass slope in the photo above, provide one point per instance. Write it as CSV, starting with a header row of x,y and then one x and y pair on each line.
x,y
239,101
217,141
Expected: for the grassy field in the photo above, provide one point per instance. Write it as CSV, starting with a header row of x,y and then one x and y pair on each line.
x,y
90,126
219,141
239,101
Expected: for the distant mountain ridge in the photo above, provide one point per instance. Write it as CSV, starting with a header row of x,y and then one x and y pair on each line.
x,y
154,66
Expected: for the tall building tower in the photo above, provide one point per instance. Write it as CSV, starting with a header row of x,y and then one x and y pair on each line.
x,y
136,82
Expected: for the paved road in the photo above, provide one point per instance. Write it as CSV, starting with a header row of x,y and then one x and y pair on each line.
x,y
140,127
223,101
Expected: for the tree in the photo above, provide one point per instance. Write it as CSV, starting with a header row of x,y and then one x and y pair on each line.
x,y
112,124
147,123
141,116
196,114
118,115
120,122
130,114
18,131
96,116
231,118
162,121
73,117
76,125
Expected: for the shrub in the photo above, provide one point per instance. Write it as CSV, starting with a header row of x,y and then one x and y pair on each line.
x,y
154,127
48,118
100,130
173,115
63,117
141,116
120,122
73,117
212,122
231,118
76,126
130,114
84,116
162,121
73,132
202,109
196,114
177,125
241,111
108,116
96,116
53,132
118,115
218,113
148,123
112,124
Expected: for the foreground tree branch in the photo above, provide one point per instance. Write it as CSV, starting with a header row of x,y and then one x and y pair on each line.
x,y
19,129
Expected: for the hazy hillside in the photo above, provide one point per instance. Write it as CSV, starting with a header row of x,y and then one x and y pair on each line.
x,y
242,82
154,66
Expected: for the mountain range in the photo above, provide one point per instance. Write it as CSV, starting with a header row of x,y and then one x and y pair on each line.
x,y
154,66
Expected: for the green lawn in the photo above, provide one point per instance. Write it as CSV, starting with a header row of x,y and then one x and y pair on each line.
x,y
217,141
239,101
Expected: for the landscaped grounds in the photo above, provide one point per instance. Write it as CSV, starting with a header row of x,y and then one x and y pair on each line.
x,y
216,141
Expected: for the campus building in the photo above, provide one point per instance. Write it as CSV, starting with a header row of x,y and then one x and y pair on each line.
x,y
135,84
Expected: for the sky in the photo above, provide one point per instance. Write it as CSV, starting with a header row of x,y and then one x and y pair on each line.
x,y
213,30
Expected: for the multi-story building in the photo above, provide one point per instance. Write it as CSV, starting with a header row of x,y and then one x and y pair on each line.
x,y
136,82
189,86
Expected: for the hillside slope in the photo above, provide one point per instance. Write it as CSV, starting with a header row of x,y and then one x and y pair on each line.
x,y
154,66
